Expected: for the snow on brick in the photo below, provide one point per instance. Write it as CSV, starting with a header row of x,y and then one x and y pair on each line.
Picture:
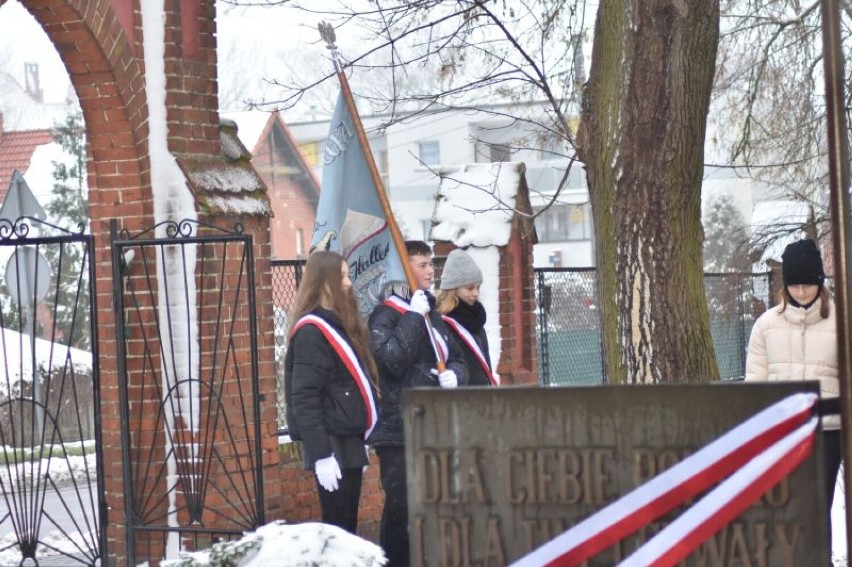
x,y
475,204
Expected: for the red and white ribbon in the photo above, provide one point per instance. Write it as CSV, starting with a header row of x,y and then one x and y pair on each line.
x,y
471,342
438,342
398,304
347,355
727,501
681,482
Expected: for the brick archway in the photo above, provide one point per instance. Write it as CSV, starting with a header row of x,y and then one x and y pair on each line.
x,y
100,42
109,83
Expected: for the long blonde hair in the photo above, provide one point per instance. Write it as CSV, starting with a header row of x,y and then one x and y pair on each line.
x,y
322,279
447,300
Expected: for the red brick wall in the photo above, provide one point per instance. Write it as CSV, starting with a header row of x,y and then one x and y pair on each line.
x,y
299,502
108,79
191,94
293,201
518,358
292,212
272,486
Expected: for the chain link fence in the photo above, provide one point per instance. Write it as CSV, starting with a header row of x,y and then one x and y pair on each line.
x,y
569,327
734,302
286,277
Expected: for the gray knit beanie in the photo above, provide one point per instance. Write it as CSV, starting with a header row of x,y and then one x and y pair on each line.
x,y
460,270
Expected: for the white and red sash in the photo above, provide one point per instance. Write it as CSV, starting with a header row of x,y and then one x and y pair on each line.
x,y
755,454
473,345
399,305
344,350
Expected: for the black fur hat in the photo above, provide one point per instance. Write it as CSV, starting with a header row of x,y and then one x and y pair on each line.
x,y
801,263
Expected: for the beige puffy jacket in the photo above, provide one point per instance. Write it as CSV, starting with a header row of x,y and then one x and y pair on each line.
x,y
797,344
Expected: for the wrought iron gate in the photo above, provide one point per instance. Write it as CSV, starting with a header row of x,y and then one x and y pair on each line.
x,y
189,392
52,509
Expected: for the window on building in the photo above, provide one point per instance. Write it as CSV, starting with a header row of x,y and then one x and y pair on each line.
x,y
480,152
550,148
565,222
310,151
430,153
486,152
499,152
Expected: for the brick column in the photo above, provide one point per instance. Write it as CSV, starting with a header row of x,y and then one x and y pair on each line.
x,y
517,312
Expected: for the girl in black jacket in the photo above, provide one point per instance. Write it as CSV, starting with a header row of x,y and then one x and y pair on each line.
x,y
458,301
328,386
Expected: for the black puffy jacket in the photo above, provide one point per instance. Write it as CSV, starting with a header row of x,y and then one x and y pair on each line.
x,y
323,400
405,358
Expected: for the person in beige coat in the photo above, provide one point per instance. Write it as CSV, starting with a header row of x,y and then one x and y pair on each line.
x,y
797,340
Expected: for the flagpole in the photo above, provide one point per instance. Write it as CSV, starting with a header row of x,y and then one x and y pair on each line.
x,y
327,33
841,227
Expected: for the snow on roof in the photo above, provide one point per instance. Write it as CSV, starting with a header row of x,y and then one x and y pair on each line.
x,y
476,204
16,355
227,183
39,174
226,186
566,197
22,112
250,125
16,151
239,206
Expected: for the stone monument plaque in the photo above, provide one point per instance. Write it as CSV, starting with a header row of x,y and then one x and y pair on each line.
x,y
494,473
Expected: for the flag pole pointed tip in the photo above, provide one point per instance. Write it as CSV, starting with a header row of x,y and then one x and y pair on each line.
x,y
327,34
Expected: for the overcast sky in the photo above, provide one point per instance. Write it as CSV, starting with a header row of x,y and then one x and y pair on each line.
x,y
261,35
22,40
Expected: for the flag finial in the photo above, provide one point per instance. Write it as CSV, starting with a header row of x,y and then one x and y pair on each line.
x,y
328,35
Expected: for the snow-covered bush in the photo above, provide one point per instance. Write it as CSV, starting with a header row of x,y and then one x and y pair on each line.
x,y
279,544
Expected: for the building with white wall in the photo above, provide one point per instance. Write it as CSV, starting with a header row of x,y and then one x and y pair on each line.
x,y
411,154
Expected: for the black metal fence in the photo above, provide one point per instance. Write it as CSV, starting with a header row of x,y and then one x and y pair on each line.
x,y
52,506
183,294
569,328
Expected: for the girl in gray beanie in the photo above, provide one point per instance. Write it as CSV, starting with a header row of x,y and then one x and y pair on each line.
x,y
458,302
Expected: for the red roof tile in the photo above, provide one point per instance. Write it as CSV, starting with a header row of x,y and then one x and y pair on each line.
x,y
16,149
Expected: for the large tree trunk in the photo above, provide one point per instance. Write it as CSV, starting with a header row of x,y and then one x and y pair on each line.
x,y
642,142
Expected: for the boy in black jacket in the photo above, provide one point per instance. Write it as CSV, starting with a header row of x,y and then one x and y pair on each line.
x,y
406,359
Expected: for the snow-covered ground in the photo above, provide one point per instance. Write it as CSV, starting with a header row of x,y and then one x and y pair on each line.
x,y
62,470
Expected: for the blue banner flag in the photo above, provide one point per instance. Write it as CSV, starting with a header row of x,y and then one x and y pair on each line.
x,y
350,219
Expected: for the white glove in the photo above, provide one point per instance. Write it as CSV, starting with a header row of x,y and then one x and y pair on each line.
x,y
328,473
448,379
419,302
